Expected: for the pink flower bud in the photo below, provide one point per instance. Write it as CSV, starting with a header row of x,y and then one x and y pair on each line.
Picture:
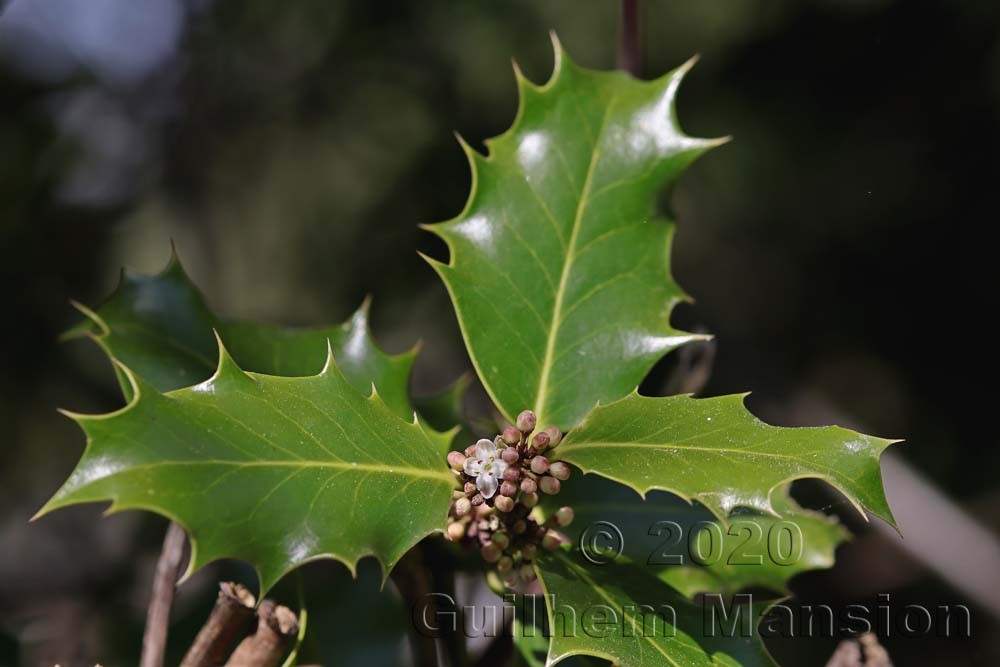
x,y
526,421
456,460
511,436
510,456
456,531
508,489
529,500
491,553
529,486
564,516
559,470
549,485
540,441
555,435
478,500
462,506
469,488
470,450
539,465
504,503
551,541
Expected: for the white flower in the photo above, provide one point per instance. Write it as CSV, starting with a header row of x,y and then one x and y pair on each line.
x,y
486,466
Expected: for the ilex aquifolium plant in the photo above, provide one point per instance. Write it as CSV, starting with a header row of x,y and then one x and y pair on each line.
x,y
294,445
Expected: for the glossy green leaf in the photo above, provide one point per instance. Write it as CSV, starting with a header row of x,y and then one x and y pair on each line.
x,y
623,614
559,269
688,547
276,471
715,451
160,327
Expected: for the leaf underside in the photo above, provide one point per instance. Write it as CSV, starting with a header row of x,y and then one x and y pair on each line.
x,y
559,269
715,451
276,471
620,613
161,328
676,541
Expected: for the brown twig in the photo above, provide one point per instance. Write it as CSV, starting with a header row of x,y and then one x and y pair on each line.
x,y
154,639
865,651
233,609
276,628
629,43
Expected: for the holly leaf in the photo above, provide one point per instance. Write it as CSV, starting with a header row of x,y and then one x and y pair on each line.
x,y
621,613
276,471
444,410
689,548
559,271
715,451
160,327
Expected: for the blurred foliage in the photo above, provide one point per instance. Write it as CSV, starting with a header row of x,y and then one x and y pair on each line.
x,y
291,148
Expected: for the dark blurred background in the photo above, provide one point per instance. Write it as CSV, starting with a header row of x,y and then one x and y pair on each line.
x,y
291,149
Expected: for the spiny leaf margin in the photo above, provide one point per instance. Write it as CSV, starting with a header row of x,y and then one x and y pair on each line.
x,y
93,479
605,433
620,356
160,326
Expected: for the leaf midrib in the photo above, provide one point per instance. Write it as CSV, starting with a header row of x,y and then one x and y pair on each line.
x,y
541,395
337,465
609,598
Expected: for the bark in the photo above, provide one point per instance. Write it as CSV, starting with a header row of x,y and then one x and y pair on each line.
x,y
233,609
154,639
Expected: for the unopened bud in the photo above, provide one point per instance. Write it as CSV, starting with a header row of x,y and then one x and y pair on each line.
x,y
539,465
491,553
508,489
478,500
529,486
505,564
526,421
564,516
511,435
456,460
469,488
511,475
504,503
501,539
470,450
510,455
456,531
551,541
510,580
549,485
555,435
540,441
462,506
529,500
519,526
528,551
527,572
559,470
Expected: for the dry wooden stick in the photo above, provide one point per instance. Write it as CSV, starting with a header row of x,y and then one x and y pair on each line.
x,y
276,628
233,609
154,639
865,651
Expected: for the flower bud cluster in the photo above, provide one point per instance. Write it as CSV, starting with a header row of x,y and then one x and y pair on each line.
x,y
501,482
